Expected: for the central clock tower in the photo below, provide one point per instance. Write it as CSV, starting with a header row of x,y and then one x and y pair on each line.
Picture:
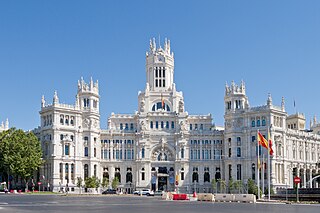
x,y
159,67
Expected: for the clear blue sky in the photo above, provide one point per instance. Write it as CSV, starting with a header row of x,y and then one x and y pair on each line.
x,y
274,46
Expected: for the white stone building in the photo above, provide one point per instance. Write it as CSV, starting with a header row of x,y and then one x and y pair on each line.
x,y
162,147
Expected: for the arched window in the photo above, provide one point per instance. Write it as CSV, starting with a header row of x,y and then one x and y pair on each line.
x,y
253,123
195,177
167,125
61,119
118,175
206,177
129,177
160,106
151,124
253,168
86,171
263,121
258,122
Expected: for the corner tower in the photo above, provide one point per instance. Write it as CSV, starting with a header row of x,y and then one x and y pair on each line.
x,y
159,67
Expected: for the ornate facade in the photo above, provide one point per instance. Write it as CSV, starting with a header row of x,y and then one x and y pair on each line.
x,y
162,147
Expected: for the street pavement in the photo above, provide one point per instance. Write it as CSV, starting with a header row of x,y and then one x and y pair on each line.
x,y
132,204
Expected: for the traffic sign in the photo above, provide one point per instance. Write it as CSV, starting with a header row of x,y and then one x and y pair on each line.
x,y
297,180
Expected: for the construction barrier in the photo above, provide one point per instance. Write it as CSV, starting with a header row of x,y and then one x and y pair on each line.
x,y
246,198
206,197
224,197
179,197
167,195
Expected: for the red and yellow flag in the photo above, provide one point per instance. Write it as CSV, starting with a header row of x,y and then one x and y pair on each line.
x,y
270,144
265,143
162,102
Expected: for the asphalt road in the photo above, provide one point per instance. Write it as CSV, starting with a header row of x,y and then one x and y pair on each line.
x,y
133,204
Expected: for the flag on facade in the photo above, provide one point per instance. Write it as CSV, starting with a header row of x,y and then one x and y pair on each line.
x,y
162,102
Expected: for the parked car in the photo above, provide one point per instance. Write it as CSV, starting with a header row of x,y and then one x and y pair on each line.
x,y
158,193
109,191
147,192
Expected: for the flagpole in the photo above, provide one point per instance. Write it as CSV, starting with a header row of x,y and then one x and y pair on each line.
x,y
269,164
258,169
262,174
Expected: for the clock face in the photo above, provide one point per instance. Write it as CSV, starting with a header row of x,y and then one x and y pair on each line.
x,y
161,58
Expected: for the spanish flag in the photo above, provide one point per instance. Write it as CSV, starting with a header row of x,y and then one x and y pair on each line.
x,y
262,141
162,102
265,143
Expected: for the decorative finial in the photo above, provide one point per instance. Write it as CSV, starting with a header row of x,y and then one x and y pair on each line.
x,y
282,104
55,97
314,120
269,101
43,101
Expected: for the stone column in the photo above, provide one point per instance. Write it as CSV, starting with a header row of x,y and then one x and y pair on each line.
x,y
310,175
111,152
304,178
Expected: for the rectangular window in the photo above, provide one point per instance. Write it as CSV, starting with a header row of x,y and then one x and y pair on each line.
x,y
160,72
66,149
172,125
105,154
157,124
164,72
253,138
95,152
190,126
182,175
238,171
238,141
229,152
164,83
156,72
156,82
86,151
238,152
142,176
159,82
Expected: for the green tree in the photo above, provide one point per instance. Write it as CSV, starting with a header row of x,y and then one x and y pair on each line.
x,y
115,183
79,183
253,188
223,185
105,182
214,185
92,182
231,185
20,153
238,185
